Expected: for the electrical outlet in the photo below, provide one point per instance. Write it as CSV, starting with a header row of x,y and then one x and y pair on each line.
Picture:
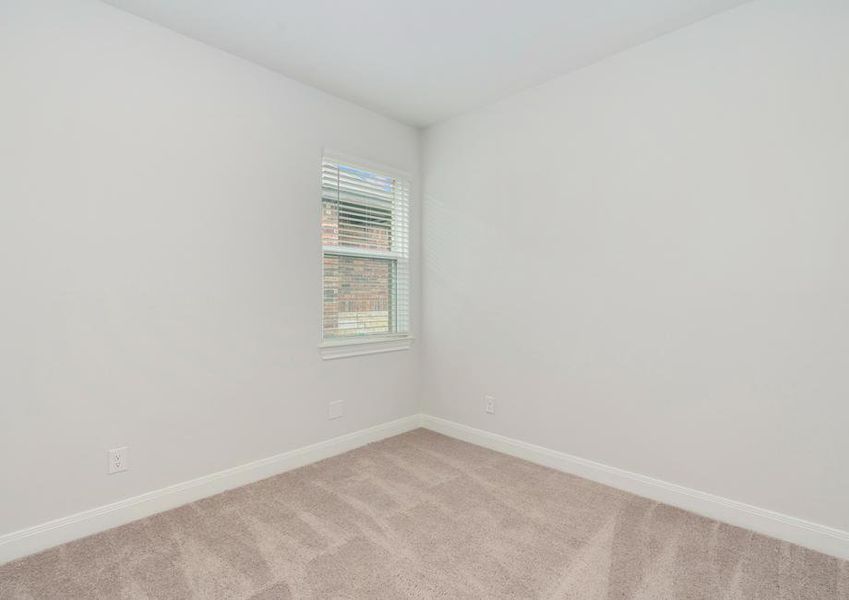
x,y
489,404
336,409
117,460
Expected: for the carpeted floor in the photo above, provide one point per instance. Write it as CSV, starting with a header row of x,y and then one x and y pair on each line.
x,y
423,516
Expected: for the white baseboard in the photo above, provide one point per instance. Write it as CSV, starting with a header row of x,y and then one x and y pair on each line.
x,y
798,531
34,539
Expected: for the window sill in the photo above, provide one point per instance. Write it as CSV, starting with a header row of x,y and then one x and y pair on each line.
x,y
346,349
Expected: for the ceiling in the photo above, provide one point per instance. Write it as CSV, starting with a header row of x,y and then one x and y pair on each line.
x,y
422,61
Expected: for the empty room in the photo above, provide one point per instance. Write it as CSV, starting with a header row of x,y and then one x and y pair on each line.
x,y
424,299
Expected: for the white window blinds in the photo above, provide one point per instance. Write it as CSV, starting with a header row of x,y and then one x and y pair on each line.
x,y
365,241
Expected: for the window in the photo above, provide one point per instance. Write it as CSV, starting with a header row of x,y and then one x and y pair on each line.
x,y
365,242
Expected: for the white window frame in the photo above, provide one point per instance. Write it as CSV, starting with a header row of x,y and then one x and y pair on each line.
x,y
376,344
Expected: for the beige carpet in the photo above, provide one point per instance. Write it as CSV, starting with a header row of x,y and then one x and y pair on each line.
x,y
424,516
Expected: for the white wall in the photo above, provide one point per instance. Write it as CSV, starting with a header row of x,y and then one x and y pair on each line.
x,y
160,260
647,261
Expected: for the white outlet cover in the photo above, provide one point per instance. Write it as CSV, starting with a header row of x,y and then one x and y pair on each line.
x,y
117,460
489,404
336,409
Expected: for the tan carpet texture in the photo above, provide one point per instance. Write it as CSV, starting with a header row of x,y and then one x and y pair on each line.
x,y
423,516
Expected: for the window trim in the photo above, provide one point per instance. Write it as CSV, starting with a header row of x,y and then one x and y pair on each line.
x,y
375,344
362,347
366,165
